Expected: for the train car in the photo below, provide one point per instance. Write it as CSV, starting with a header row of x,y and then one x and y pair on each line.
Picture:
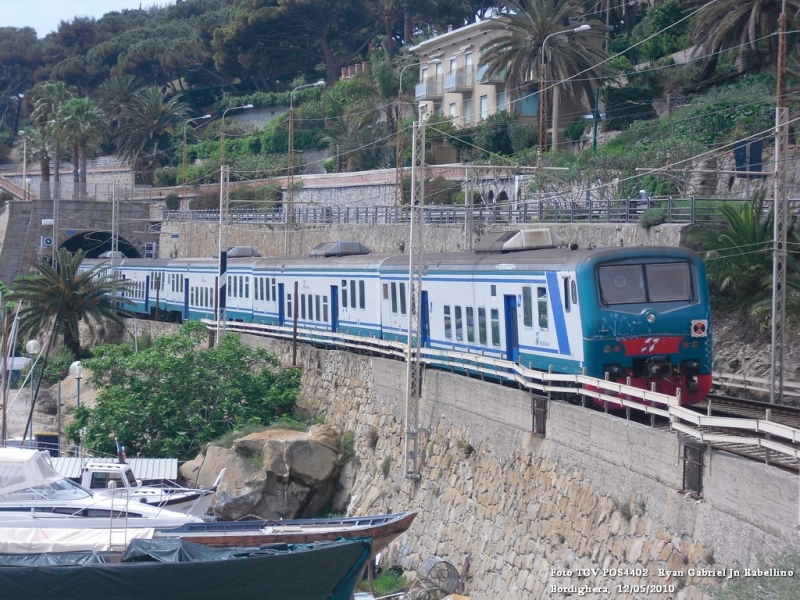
x,y
639,315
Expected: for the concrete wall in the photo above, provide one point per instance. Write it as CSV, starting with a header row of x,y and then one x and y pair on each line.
x,y
200,238
597,492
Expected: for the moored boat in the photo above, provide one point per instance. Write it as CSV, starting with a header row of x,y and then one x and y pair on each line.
x,y
33,494
173,569
381,529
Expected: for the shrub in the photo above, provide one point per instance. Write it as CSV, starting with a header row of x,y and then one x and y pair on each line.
x,y
166,177
652,217
173,201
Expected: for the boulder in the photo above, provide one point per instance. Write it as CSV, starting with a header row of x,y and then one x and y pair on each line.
x,y
272,474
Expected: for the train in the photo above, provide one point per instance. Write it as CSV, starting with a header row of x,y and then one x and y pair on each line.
x,y
636,315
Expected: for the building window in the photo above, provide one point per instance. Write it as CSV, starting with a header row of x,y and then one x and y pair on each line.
x,y
453,66
484,108
501,101
453,110
529,104
467,111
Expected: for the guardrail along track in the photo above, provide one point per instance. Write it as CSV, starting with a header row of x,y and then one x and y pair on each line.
x,y
751,432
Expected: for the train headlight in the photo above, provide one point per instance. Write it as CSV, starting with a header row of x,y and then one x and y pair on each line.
x,y
651,317
607,349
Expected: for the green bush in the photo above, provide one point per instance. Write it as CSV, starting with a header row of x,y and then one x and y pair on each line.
x,y
628,104
574,131
166,177
173,201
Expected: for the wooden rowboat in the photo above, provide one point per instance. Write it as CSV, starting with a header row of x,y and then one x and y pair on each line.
x,y
382,529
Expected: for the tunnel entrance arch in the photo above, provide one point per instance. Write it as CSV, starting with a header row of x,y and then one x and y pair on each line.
x,y
95,243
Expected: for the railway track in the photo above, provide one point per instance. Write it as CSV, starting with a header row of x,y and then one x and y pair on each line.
x,y
717,405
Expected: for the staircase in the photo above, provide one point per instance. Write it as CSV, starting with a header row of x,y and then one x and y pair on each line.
x,y
15,223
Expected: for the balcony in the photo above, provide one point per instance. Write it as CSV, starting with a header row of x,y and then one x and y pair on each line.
x,y
431,89
460,82
484,78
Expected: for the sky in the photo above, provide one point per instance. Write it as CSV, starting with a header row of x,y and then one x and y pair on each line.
x,y
45,15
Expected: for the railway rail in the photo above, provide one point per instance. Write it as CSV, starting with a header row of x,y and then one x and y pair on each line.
x,y
756,430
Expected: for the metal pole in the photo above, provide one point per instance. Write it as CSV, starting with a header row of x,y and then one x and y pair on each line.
x,y
415,245
24,163
779,254
294,327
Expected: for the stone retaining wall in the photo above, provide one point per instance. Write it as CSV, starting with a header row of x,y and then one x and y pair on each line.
x,y
597,492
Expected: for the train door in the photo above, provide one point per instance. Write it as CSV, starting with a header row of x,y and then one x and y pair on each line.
x,y
425,323
147,295
281,307
334,308
186,299
512,332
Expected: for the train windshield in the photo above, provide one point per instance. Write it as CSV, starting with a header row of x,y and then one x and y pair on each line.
x,y
650,282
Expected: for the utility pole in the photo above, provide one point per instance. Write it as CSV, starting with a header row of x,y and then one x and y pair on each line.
x,y
415,247
781,218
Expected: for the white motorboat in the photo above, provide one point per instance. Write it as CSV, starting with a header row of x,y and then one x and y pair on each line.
x,y
117,479
33,494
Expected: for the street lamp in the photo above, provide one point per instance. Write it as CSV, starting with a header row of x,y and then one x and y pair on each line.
x,y
399,149
32,347
24,161
290,168
542,95
184,144
76,370
223,204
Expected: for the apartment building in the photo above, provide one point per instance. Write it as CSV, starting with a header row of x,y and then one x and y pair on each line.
x,y
452,84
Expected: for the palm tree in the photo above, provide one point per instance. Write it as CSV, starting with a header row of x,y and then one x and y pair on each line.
x,y
739,258
49,98
517,51
145,127
83,124
739,23
63,297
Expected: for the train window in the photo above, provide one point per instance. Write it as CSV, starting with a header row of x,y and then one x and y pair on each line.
x,y
527,306
574,292
344,293
448,325
241,287
302,306
205,293
470,324
566,294
191,296
362,302
494,291
482,325
459,324
311,307
385,291
394,297
352,293
317,304
669,282
289,305
229,287
402,298
324,309
259,288
246,287
621,284
274,293
495,328
541,301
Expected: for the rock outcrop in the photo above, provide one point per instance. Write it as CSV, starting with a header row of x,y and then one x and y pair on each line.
x,y
273,474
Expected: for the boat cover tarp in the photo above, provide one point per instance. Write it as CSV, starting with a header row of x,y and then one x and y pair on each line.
x,y
21,469
52,558
28,540
321,571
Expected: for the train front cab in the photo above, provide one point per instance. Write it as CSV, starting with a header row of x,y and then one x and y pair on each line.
x,y
648,320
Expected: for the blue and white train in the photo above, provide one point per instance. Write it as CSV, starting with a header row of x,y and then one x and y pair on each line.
x,y
640,313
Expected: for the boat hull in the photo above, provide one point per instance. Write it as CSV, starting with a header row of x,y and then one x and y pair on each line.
x,y
329,570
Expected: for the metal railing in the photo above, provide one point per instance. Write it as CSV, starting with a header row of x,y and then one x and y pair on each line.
x,y
627,210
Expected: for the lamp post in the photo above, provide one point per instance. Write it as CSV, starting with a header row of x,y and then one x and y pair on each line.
x,y
32,347
399,149
76,370
290,168
223,209
184,145
543,96
24,162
